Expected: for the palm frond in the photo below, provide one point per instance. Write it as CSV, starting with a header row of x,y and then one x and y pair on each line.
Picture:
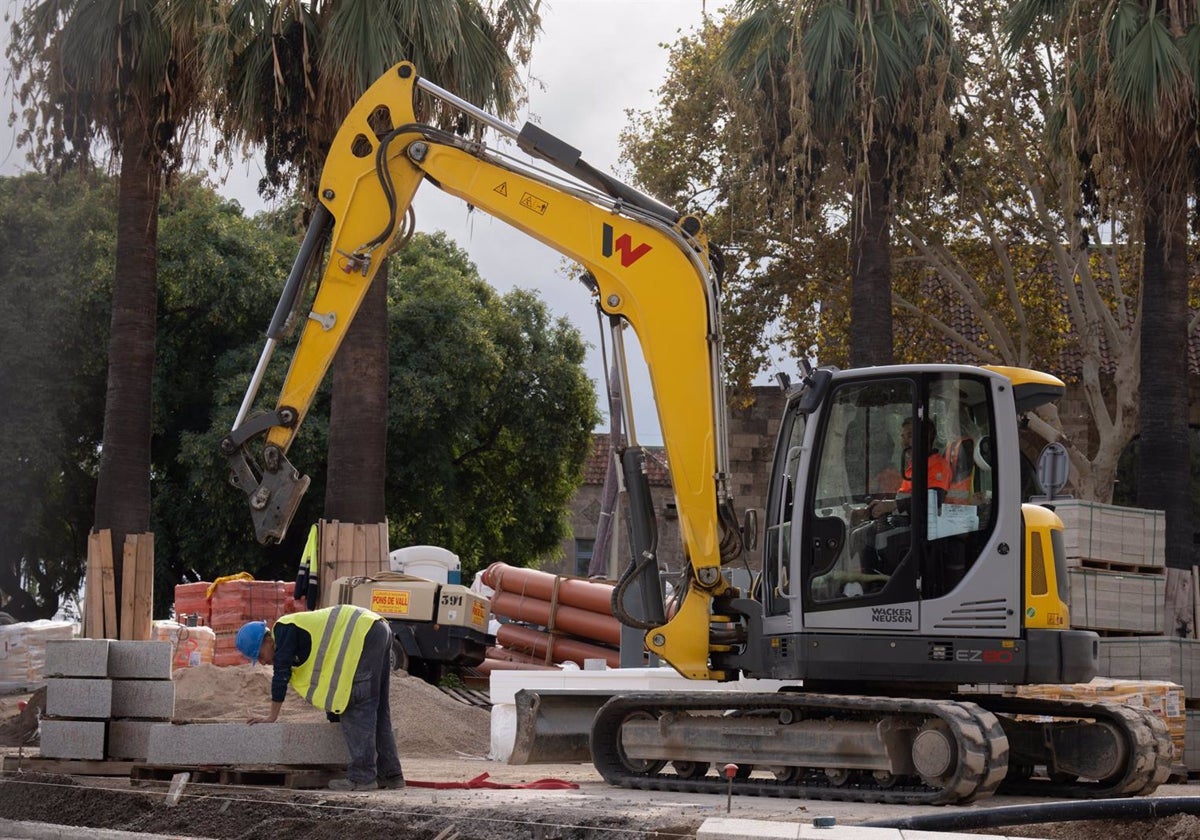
x,y
1150,77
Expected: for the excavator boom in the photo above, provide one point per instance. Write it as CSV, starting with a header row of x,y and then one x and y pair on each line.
x,y
652,269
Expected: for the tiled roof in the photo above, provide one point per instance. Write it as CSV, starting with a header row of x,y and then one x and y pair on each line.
x,y
1056,351
597,463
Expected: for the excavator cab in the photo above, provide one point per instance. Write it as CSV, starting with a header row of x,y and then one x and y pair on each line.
x,y
895,535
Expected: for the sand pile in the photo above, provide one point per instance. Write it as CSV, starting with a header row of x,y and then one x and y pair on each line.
x,y
430,723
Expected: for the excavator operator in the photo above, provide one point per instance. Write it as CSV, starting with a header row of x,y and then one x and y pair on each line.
x,y
937,475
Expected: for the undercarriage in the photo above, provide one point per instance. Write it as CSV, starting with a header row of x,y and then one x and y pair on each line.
x,y
878,749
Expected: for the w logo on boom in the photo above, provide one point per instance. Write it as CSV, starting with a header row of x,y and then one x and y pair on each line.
x,y
624,244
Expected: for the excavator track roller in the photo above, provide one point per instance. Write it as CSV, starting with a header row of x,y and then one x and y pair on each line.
x,y
868,749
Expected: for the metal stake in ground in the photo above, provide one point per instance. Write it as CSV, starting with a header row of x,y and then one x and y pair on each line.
x,y
730,770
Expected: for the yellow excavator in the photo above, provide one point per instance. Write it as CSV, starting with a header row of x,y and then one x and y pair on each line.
x,y
902,583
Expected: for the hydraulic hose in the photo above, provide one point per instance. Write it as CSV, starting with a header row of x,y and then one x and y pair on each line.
x,y
1134,808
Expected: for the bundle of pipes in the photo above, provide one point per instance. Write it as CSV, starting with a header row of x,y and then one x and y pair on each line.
x,y
572,618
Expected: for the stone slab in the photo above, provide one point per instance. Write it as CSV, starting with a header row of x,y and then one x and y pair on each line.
x,y
77,658
243,744
76,697
129,739
140,660
143,699
77,739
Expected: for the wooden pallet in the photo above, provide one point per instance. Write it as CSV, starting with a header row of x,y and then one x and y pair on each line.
x,y
1114,566
284,776
66,766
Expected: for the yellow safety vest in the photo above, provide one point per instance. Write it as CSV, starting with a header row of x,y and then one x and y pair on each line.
x,y
325,678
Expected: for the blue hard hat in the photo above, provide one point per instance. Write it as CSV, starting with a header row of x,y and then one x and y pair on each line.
x,y
250,637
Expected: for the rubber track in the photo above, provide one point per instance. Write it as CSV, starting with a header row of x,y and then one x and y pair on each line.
x,y
982,747
1147,737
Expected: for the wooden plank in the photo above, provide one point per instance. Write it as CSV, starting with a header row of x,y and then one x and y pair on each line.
x,y
143,611
67,766
345,549
1179,602
287,776
108,585
371,550
93,599
128,586
358,557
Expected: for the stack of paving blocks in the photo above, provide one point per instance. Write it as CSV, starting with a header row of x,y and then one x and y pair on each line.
x,y
103,696
115,700
1163,698
1161,658
1117,567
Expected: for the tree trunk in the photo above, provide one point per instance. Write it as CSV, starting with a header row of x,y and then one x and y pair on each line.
x,y
871,341
123,485
358,415
1164,463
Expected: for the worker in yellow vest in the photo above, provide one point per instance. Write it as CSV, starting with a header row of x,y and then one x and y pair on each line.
x,y
338,659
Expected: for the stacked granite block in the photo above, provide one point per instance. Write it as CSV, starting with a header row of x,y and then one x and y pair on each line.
x,y
102,697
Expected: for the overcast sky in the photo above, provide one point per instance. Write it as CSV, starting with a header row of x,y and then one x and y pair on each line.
x,y
593,60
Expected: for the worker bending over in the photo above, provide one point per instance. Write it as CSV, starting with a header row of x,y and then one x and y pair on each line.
x,y
338,659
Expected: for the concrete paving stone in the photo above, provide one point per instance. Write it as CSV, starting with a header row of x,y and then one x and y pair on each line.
x,y
143,699
243,744
77,697
725,828
77,739
129,739
140,660
77,658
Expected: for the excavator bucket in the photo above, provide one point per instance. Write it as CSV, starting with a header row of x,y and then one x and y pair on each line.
x,y
555,727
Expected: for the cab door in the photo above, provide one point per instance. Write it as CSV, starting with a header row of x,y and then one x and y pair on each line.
x,y
863,508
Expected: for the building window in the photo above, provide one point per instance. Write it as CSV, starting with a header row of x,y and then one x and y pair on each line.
x,y
583,556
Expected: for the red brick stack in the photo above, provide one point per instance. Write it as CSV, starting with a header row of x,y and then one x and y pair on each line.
x,y
192,599
231,605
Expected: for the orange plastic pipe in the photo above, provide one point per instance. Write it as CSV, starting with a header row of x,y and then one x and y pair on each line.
x,y
561,648
585,594
566,619
511,655
488,665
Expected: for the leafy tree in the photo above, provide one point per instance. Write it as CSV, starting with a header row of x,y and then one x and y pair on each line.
x,y
1005,268
858,93
117,76
219,274
1129,74
1022,251
489,421
52,363
290,73
491,412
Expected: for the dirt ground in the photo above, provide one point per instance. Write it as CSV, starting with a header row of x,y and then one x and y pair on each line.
x,y
443,741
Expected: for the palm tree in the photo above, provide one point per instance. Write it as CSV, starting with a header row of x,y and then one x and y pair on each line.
x,y
295,74
113,76
866,84
1128,107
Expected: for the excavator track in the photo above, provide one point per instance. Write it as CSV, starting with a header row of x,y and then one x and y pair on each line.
x,y
815,746
1134,743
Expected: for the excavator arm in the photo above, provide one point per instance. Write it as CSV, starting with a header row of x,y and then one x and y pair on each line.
x,y
652,269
